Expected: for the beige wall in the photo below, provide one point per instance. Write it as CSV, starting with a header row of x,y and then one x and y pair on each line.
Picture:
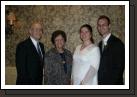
x,y
67,18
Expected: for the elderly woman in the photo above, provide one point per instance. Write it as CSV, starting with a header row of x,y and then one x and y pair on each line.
x,y
58,61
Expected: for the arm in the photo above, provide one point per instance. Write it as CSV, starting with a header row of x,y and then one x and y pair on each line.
x,y
90,74
118,64
21,63
94,60
45,70
70,60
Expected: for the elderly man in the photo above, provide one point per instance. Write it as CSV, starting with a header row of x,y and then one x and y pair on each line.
x,y
30,57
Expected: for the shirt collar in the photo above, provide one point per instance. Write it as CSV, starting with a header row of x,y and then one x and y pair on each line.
x,y
34,41
106,39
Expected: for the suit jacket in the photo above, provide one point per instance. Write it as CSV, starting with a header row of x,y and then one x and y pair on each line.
x,y
112,62
29,64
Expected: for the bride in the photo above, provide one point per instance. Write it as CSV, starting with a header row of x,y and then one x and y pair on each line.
x,y
86,59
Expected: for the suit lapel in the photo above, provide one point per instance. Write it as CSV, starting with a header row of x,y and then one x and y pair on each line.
x,y
100,47
109,42
42,49
32,47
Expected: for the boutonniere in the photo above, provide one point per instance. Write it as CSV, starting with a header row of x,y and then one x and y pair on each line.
x,y
63,62
105,45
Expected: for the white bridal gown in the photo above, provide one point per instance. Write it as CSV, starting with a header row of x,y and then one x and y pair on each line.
x,y
83,60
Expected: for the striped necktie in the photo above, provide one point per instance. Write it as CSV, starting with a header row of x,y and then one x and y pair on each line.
x,y
39,50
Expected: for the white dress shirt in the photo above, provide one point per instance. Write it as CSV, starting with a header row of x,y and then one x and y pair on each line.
x,y
104,41
35,44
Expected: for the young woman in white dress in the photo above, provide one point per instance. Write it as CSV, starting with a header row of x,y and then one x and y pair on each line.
x,y
86,59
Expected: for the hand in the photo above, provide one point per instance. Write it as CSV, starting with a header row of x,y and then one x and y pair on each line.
x,y
82,82
71,82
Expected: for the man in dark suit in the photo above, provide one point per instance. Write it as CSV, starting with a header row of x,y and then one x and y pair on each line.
x,y
30,58
112,51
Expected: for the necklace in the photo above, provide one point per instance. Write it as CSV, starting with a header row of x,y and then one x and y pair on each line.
x,y
84,46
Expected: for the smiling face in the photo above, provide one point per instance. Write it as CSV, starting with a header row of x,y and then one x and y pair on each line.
x,y
59,42
85,34
36,31
103,26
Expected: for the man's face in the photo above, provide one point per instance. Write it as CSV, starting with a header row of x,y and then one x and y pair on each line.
x,y
36,31
103,26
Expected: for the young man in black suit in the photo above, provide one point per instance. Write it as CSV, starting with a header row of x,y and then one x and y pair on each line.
x,y
30,58
112,51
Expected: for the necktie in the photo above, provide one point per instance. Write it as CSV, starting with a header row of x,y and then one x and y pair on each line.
x,y
39,50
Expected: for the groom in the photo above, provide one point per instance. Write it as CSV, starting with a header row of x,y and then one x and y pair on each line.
x,y
112,51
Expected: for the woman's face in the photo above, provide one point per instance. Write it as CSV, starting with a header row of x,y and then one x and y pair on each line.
x,y
85,34
59,42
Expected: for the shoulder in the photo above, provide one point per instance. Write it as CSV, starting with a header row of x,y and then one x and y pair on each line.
x,y
23,43
94,52
68,52
78,47
50,52
117,41
94,47
100,42
41,43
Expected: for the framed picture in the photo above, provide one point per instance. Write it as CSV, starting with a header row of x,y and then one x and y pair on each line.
x,y
68,16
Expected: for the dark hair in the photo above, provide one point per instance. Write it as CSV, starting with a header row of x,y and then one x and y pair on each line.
x,y
90,30
57,33
104,17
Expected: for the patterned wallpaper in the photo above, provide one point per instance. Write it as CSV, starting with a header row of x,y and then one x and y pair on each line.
x,y
61,17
